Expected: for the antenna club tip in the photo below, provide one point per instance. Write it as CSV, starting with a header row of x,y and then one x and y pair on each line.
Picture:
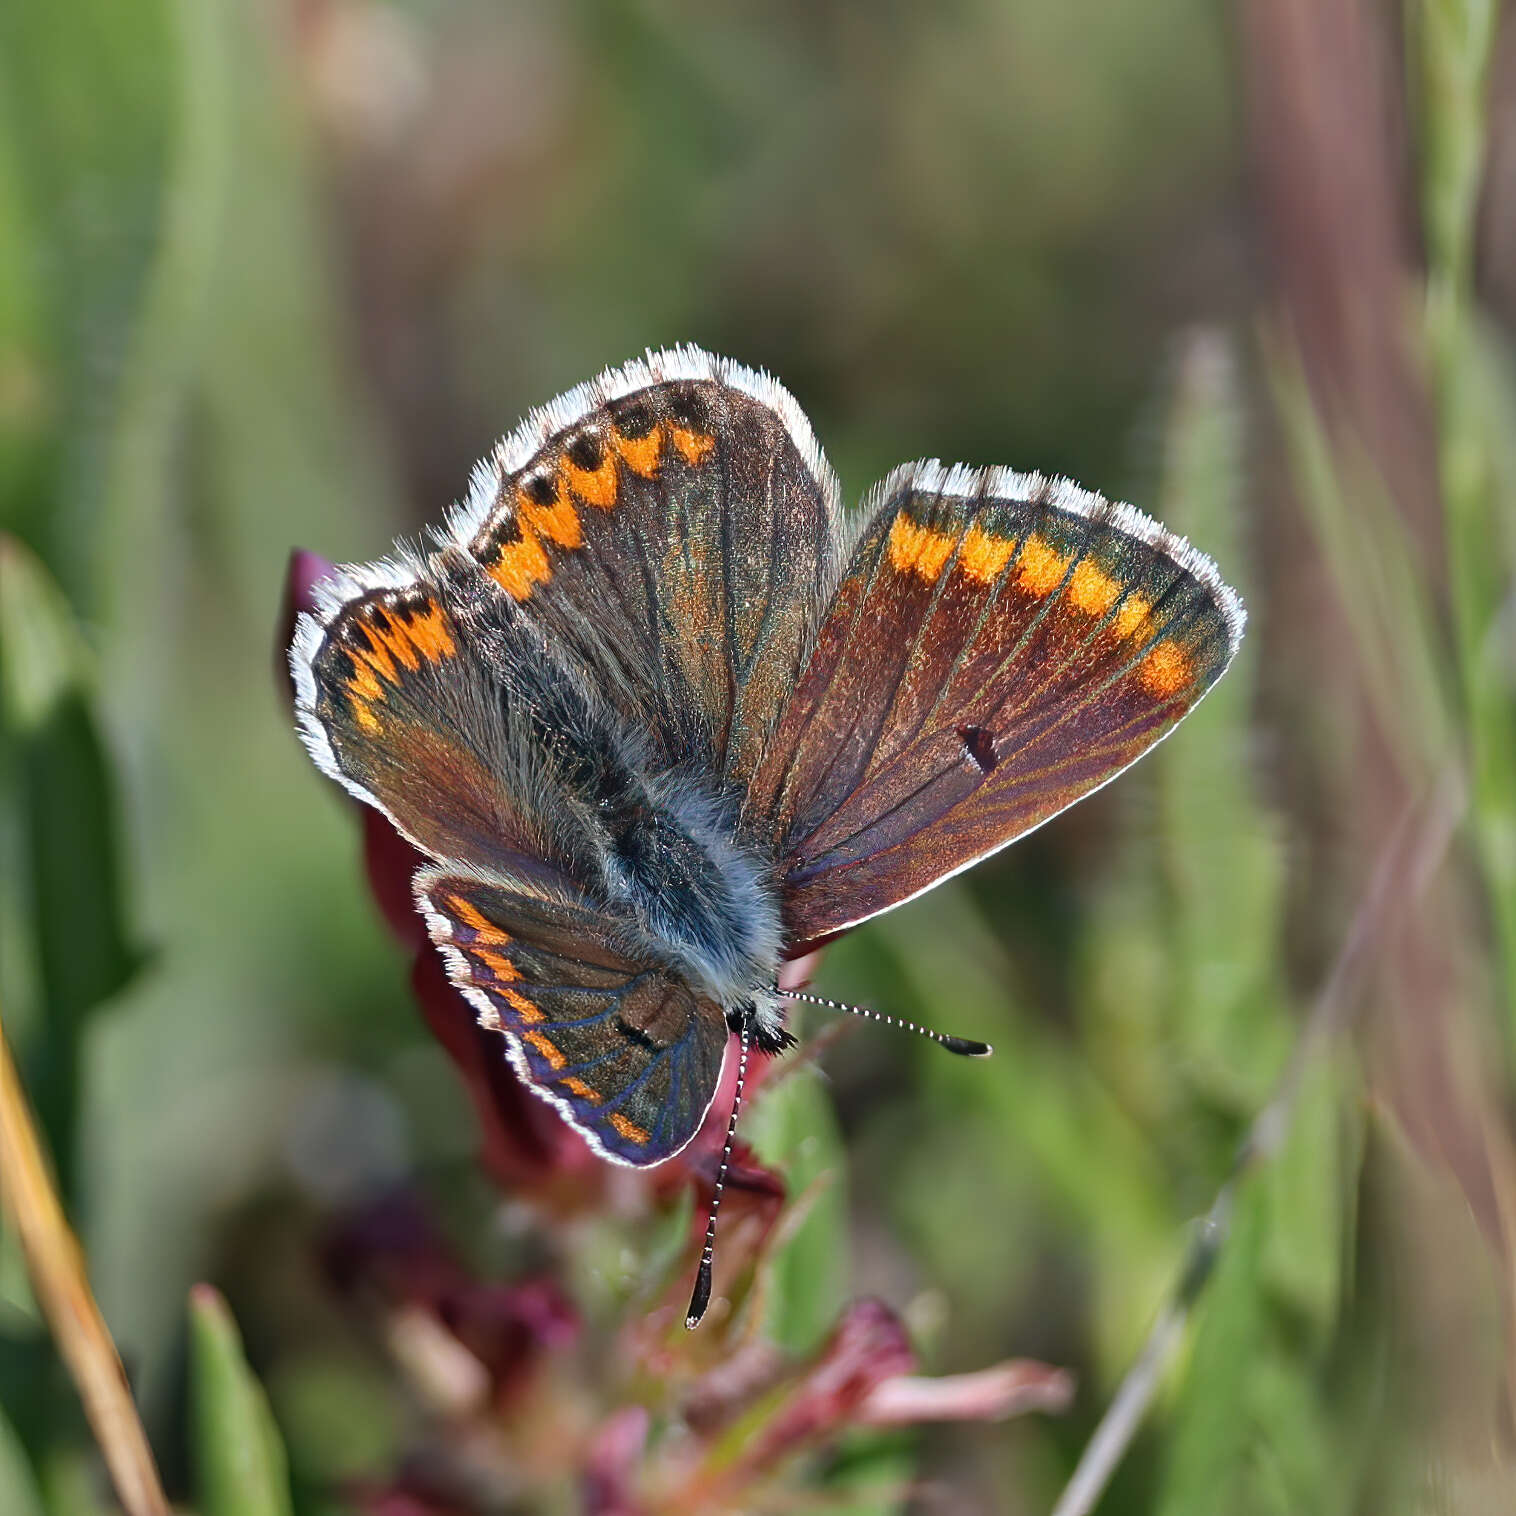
x,y
701,1297
967,1047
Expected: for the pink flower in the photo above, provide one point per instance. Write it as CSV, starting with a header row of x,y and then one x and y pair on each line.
x,y
392,1258
406,1498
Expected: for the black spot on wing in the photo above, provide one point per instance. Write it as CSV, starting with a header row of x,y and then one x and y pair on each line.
x,y
979,748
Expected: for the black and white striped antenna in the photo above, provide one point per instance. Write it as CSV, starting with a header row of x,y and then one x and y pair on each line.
x,y
963,1045
702,1294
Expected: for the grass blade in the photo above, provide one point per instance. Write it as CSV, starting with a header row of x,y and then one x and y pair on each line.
x,y
62,1288
239,1457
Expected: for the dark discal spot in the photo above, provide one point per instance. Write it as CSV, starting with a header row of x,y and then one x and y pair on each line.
x,y
688,408
380,617
540,489
634,419
586,452
979,748
637,1034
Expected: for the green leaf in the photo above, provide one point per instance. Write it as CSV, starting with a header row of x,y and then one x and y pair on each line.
x,y
58,833
794,1129
1220,856
1256,1425
1308,1189
870,1474
240,1466
1211,1427
18,1490
71,1483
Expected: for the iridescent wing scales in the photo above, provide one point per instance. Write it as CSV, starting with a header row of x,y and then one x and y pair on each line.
x,y
399,702
674,527
626,1052
999,646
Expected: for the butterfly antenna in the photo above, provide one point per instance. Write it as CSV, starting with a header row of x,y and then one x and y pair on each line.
x,y
702,1295
963,1045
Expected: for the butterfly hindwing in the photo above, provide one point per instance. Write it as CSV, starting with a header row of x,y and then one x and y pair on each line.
x,y
999,645
674,527
624,1049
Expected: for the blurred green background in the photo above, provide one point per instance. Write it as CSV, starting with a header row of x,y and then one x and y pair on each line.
x,y
275,272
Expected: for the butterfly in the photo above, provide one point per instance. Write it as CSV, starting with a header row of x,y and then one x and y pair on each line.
x,y
663,717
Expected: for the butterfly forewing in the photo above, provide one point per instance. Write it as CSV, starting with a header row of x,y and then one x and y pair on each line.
x,y
398,701
674,526
624,1050
998,647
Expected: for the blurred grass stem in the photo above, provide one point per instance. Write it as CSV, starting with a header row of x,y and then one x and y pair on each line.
x,y
56,1267
1454,44
1405,867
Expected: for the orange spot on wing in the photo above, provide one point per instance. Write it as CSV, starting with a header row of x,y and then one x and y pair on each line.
x,y
500,967
982,556
1166,669
593,486
1133,614
558,522
373,652
546,1047
363,684
628,1129
581,1089
522,565
363,714
467,912
431,637
693,446
641,454
485,931
1091,589
918,549
398,645
519,1003
1041,567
